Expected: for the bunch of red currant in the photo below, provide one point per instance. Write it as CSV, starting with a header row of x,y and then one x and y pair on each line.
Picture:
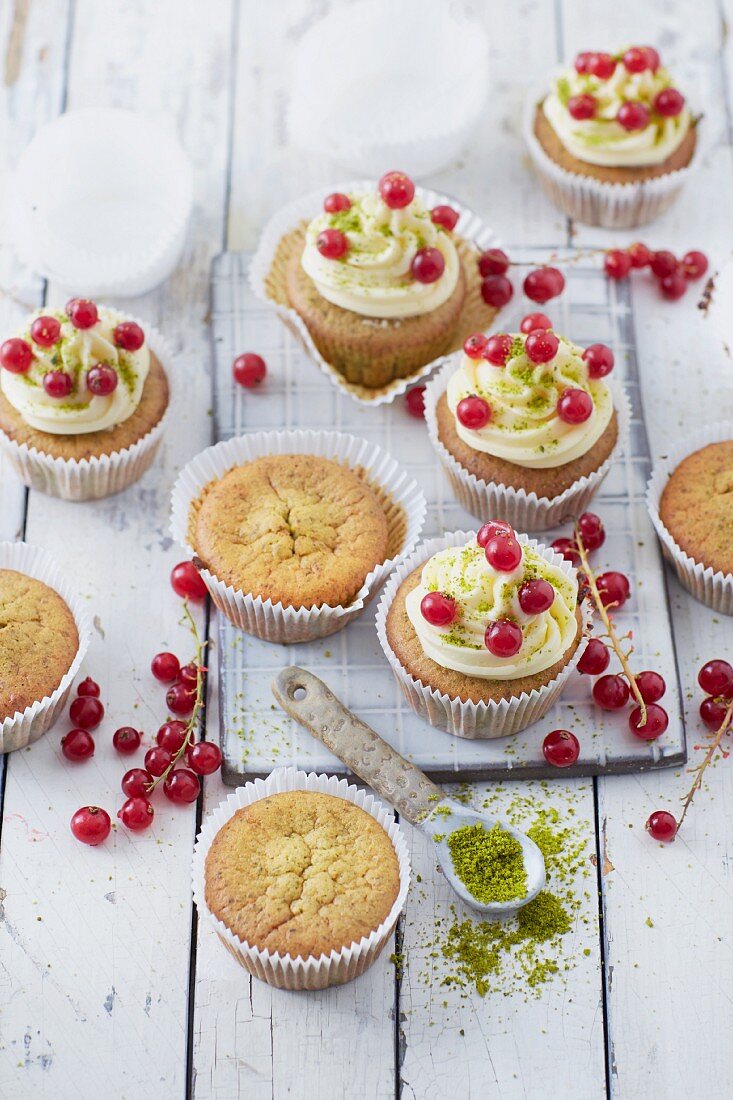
x,y
673,275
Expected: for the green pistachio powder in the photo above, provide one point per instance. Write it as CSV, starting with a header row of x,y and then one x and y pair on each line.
x,y
489,862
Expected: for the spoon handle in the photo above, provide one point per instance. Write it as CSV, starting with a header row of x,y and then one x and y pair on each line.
x,y
307,699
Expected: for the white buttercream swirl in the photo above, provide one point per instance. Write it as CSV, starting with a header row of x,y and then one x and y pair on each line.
x,y
483,596
373,279
602,140
76,352
524,427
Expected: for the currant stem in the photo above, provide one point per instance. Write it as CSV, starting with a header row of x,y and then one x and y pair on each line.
x,y
707,760
610,629
190,734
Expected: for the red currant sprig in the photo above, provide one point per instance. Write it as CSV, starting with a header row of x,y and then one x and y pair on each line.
x,y
672,275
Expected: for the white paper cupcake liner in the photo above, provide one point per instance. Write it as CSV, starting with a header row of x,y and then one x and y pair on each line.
x,y
274,622
470,227
597,202
490,500
92,478
474,720
24,727
713,589
284,971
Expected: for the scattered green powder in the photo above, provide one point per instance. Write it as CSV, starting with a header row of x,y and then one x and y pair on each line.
x,y
489,862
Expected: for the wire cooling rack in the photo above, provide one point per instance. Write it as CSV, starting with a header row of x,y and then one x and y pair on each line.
x,y
255,734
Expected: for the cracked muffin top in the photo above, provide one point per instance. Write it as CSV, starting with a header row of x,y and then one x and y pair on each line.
x,y
296,529
301,873
38,641
697,506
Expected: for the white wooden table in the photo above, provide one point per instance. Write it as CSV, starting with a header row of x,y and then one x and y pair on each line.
x,y
107,985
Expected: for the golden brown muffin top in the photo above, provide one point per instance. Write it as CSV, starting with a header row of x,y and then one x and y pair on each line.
x,y
38,641
301,873
296,529
697,506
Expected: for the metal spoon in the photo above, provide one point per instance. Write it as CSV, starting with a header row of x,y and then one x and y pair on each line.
x,y
307,699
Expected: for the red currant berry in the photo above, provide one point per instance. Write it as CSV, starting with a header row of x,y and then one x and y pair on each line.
x,y
656,723
180,699
592,531
129,336
534,321
445,216
582,106
165,667
712,712
172,735
57,383
473,412
575,406
136,782
204,758
599,360
126,740
669,102
438,609
613,588
189,675
136,814
45,331
663,263
611,692
639,255
15,355
504,638
498,349
636,60
82,313
544,283
567,549
475,346
102,380
601,65
716,678
91,825
88,687
157,760
561,748
536,596
541,346
616,263
332,243
415,402
582,61
494,261
77,745
652,58
427,265
86,711
182,785
673,286
493,528
694,265
651,686
662,826
397,190
249,369
632,115
595,659
503,553
336,203
496,291
186,582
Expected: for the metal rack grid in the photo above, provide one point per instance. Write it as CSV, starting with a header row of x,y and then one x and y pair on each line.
x,y
255,735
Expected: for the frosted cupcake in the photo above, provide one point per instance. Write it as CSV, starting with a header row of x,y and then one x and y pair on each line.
x,y
82,401
490,621
382,283
525,425
613,138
